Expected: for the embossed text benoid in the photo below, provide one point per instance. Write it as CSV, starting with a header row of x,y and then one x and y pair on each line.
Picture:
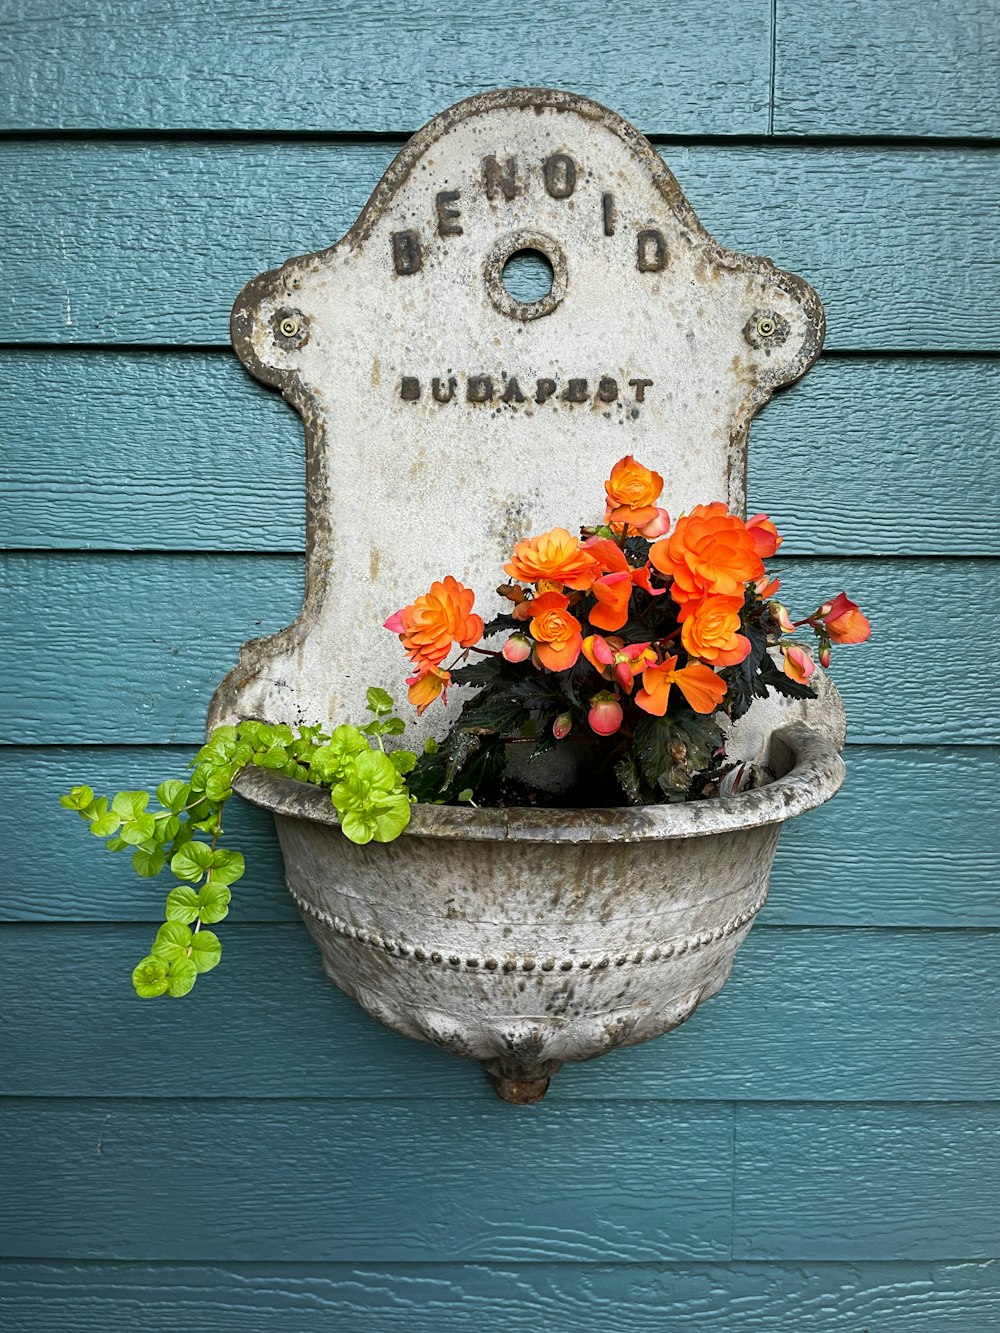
x,y
523,938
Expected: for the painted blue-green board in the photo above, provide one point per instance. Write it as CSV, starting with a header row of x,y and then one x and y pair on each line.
x,y
815,1151
360,1180
386,66
128,649
918,1006
909,841
138,241
516,1297
887,67
129,449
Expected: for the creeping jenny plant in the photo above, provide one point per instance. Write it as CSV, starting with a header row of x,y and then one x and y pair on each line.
x,y
629,646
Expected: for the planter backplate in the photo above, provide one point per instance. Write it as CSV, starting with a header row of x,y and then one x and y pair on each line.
x,y
446,419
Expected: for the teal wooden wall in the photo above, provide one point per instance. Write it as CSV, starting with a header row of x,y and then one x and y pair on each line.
x,y
817,1150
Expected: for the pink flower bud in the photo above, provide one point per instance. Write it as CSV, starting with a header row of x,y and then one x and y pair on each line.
x,y
562,726
780,614
517,648
605,716
824,656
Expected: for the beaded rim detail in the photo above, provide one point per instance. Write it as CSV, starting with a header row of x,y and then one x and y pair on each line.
x,y
674,948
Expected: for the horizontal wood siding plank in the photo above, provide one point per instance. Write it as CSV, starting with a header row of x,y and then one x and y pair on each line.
x,y
473,1180
387,66
879,1183
131,450
132,241
918,1006
853,67
128,648
519,1298
909,841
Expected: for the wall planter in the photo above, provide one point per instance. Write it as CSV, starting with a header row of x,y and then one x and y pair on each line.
x,y
523,938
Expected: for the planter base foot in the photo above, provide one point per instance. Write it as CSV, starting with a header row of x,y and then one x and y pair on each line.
x,y
521,1084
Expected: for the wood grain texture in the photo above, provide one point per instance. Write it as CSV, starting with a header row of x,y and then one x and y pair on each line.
x,y
876,1183
128,648
362,1181
366,1182
519,1298
130,450
137,241
387,66
909,841
917,1005
853,67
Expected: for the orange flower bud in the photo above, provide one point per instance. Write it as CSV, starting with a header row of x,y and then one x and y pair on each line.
x,y
798,665
765,535
517,648
605,716
844,621
562,726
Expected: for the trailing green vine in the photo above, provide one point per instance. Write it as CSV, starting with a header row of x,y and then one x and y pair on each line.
x,y
182,830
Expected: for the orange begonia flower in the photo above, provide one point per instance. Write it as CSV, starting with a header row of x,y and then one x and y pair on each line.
x,y
555,556
613,589
429,683
798,665
632,492
557,634
709,551
709,630
766,537
613,658
429,626
845,622
699,684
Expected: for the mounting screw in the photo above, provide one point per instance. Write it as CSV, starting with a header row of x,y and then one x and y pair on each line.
x,y
765,326
290,327
766,329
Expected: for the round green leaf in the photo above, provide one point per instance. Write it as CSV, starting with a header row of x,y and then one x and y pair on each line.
x,y
181,977
148,864
105,825
378,701
227,866
213,903
182,904
205,950
219,786
138,830
191,862
173,940
77,798
392,816
130,804
357,827
173,794
150,978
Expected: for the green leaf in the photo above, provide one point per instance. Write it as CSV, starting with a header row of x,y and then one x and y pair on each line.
x,y
136,831
213,903
173,794
466,795
173,940
431,746
77,798
150,978
182,905
628,778
357,827
116,844
227,866
181,977
105,823
130,804
274,757
148,864
205,950
193,859
378,701
219,785
395,726
404,761
392,816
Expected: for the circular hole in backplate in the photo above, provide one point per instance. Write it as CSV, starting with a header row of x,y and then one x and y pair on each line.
x,y
527,276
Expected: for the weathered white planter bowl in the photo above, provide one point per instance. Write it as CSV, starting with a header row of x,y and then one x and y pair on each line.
x,y
525,938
